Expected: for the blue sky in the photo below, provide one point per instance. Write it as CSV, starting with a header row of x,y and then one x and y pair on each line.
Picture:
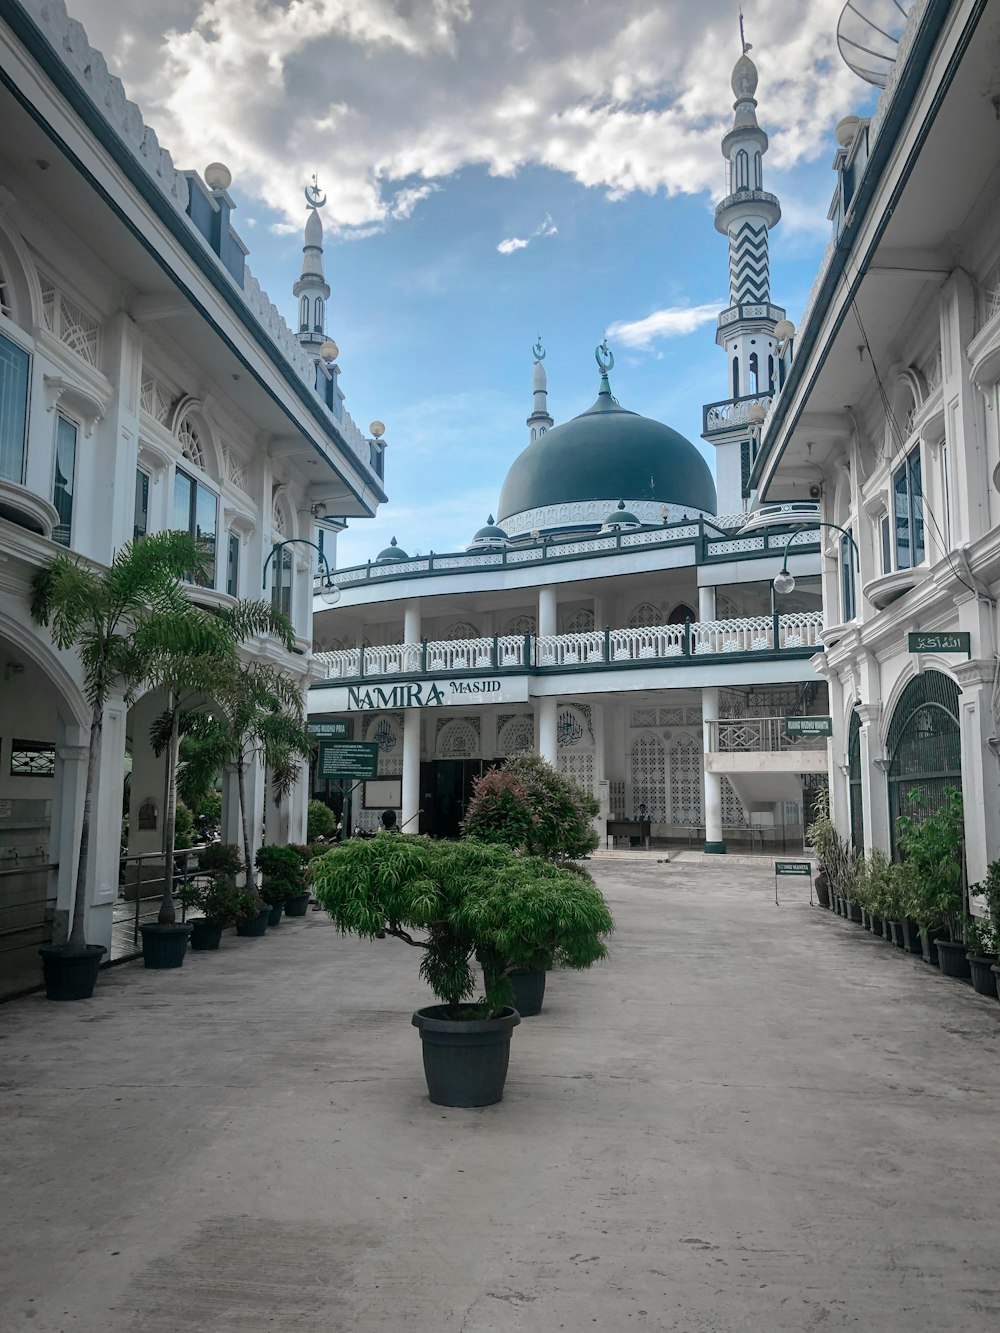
x,y
441,130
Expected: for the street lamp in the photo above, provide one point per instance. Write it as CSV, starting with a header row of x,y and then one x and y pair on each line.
x,y
329,592
784,580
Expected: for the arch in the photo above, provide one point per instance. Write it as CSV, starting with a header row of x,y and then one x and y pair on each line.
x,y
520,625
516,736
196,439
462,629
304,314
282,515
736,377
22,294
681,613
687,797
573,728
742,170
329,644
854,781
386,730
648,771
318,314
924,748
645,616
579,621
50,670
753,377
458,739
907,398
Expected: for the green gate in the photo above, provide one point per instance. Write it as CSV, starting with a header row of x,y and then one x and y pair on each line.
x,y
924,747
854,779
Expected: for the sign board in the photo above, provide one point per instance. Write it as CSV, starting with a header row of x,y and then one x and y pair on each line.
x,y
784,868
958,642
808,726
464,691
347,759
330,731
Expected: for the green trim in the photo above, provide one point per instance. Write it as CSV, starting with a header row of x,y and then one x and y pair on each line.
x,y
179,226
715,849
931,24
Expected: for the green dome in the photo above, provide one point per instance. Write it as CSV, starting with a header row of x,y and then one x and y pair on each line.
x,y
392,555
608,451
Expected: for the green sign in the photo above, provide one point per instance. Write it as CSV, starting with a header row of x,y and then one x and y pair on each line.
x,y
330,731
347,759
958,642
792,868
808,726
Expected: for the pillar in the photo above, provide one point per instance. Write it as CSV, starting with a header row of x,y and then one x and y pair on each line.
x,y
411,621
837,755
545,728
68,790
713,781
980,771
601,790
706,604
409,815
874,787
547,612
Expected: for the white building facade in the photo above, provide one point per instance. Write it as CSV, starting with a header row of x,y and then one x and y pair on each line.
x,y
146,383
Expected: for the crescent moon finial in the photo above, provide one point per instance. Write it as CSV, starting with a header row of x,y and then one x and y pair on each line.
x,y
538,350
604,357
315,197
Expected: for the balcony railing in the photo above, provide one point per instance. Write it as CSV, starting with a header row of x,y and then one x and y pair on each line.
x,y
797,634
730,412
757,735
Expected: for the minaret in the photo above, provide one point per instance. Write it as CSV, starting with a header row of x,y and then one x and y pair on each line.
x,y
539,421
746,327
312,289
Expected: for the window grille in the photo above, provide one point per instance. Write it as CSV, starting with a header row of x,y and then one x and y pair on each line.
x,y
647,769
190,443
32,759
687,801
645,615
924,748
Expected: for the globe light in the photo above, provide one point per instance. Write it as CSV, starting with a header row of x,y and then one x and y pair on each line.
x,y
329,593
756,413
329,350
784,583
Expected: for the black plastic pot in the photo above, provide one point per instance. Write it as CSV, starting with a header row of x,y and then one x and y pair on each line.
x,y
256,926
70,974
887,930
897,934
205,934
995,969
854,911
911,937
822,886
528,984
297,906
274,914
875,924
465,1062
984,981
930,952
952,960
164,946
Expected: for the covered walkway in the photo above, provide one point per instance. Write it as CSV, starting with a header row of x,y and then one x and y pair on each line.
x,y
753,1118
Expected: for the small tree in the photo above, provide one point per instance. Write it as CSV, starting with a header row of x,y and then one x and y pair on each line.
x,y
933,854
320,821
120,620
838,859
529,805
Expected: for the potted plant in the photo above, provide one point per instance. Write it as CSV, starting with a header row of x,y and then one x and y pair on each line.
x,y
933,853
837,859
990,890
297,904
252,914
216,896
878,877
282,877
468,901
981,943
320,821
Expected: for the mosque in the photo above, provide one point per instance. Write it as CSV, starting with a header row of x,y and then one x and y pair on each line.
x,y
617,616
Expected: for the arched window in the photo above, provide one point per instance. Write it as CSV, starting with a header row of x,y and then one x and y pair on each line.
x,y
579,621
520,625
742,170
318,314
680,614
736,377
644,616
757,177
458,740
924,748
854,780
191,445
516,736
304,313
753,386
770,374
647,768
462,630
6,295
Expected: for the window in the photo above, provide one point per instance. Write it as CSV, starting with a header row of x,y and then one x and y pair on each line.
x,y
32,759
281,581
736,377
848,595
318,314
140,523
885,540
195,509
742,170
304,313
908,512
233,565
14,367
757,177
946,494
63,477
753,379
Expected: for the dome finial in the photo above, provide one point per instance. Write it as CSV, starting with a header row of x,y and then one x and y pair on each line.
x,y
745,45
538,351
315,197
605,359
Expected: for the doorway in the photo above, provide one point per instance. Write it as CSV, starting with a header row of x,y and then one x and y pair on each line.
x,y
445,791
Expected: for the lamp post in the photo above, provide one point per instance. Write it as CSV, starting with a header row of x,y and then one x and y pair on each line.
x,y
784,580
329,592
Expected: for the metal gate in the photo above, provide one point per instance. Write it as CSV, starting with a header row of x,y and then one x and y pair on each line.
x,y
924,747
854,781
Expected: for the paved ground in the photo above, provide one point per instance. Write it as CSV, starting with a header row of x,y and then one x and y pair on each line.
x,y
753,1118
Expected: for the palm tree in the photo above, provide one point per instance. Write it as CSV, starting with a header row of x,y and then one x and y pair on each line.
x,y
121,620
197,681
256,713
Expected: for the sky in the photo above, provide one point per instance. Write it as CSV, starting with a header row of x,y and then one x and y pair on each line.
x,y
495,170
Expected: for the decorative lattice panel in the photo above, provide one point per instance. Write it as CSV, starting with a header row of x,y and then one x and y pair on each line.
x,y
458,739
154,398
6,300
669,717
462,630
733,813
616,797
579,621
520,625
190,443
645,615
579,768
516,736
278,529
386,730
237,472
687,802
647,765
643,717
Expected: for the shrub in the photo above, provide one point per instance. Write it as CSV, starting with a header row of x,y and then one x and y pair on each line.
x,y
837,858
183,828
281,873
470,901
320,821
981,937
527,805
219,900
221,858
932,851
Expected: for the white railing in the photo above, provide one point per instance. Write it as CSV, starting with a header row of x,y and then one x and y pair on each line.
x,y
754,735
656,643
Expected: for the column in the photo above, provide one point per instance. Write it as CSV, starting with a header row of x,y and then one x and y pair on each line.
x,y
106,826
253,787
545,728
837,756
713,781
410,814
706,604
547,612
874,788
980,771
68,790
600,773
411,621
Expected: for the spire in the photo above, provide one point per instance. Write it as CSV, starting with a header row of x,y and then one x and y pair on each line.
x,y
539,422
605,359
312,290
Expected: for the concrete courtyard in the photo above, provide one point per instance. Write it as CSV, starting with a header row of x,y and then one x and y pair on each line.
x,y
752,1118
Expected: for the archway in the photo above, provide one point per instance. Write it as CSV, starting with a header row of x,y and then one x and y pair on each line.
x,y
924,748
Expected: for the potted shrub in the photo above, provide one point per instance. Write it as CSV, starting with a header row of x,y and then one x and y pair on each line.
x,y
281,877
469,901
878,876
217,897
933,854
981,943
252,914
297,904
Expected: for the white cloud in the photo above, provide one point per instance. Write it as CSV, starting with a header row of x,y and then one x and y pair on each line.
x,y
545,228
623,98
674,322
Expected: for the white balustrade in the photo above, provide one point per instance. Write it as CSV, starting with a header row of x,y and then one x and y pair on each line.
x,y
634,645
569,649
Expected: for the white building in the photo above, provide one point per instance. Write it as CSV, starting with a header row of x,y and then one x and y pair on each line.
x,y
146,382
611,618
891,408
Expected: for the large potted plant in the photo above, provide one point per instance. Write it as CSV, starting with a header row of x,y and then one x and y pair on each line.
x,y
932,848
282,876
297,903
989,889
214,892
460,902
838,861
981,943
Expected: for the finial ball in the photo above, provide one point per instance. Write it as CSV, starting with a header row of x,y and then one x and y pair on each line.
x,y
218,176
377,429
329,350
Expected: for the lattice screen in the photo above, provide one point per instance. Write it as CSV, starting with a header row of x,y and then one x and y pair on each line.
x,y
387,732
648,771
520,625
644,615
191,446
579,621
616,797
458,740
579,767
462,630
734,814
687,802
516,736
